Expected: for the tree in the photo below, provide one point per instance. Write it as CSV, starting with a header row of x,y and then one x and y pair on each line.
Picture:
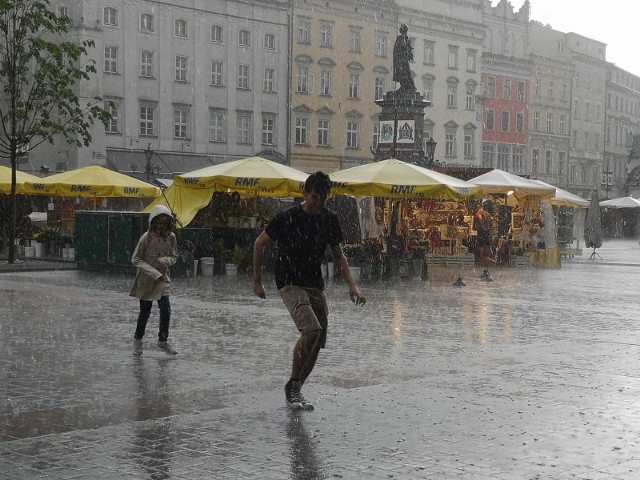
x,y
40,72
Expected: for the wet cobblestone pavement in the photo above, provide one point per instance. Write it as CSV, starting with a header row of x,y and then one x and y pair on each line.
x,y
532,376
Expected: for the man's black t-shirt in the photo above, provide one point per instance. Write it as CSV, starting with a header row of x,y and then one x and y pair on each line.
x,y
302,241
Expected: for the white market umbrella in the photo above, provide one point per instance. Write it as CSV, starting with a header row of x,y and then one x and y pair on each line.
x,y
622,202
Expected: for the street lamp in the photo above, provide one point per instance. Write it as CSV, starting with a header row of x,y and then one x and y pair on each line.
x,y
148,154
430,146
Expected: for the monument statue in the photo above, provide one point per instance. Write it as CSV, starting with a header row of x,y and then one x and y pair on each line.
x,y
402,55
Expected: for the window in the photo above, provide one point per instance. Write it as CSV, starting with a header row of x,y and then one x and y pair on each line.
x,y
379,88
490,121
216,73
549,122
147,114
488,154
536,121
506,89
63,11
587,110
323,132
519,123
451,95
302,131
453,57
180,28
536,88
565,92
471,60
110,16
535,160
110,59
354,85
573,173
450,144
505,121
304,31
550,94
429,48
243,127
562,157
180,122
470,96
353,129
326,34
268,128
146,22
491,87
268,80
427,81
303,79
563,124
181,68
244,38
216,34
112,124
469,151
381,44
518,160
354,40
548,162
325,82
146,64
503,156
244,72
216,125
520,92
269,41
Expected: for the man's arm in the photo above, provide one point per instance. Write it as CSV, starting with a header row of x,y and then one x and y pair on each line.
x,y
258,255
343,267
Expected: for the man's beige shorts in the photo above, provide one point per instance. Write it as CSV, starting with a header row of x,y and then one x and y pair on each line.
x,y
308,308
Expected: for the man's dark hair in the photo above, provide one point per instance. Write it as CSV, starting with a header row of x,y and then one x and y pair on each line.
x,y
318,182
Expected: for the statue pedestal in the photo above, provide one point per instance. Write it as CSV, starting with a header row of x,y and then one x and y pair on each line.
x,y
402,114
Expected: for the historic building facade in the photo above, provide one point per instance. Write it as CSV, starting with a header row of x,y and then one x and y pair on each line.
x,y
198,83
548,143
621,169
506,73
342,55
448,40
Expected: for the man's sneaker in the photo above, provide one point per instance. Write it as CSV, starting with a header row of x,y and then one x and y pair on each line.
x,y
167,348
306,405
293,395
137,346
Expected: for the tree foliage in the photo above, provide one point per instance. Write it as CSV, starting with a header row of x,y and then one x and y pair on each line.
x,y
39,74
41,71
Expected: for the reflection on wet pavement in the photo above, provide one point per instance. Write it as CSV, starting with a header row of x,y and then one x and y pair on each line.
x,y
534,375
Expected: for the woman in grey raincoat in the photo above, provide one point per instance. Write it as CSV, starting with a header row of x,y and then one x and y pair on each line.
x,y
156,251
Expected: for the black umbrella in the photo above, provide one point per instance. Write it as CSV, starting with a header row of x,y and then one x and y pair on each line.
x,y
593,227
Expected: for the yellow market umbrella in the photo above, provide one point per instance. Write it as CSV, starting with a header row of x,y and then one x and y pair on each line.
x,y
183,202
93,181
254,176
396,179
21,178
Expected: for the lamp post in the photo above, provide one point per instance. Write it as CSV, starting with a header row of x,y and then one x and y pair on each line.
x,y
430,146
148,154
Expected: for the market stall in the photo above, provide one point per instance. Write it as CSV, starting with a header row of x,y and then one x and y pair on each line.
x,y
525,229
409,216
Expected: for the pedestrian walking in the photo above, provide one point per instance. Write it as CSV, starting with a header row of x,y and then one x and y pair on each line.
x,y
156,251
302,233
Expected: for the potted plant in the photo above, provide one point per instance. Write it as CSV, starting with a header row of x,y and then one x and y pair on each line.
x,y
241,258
